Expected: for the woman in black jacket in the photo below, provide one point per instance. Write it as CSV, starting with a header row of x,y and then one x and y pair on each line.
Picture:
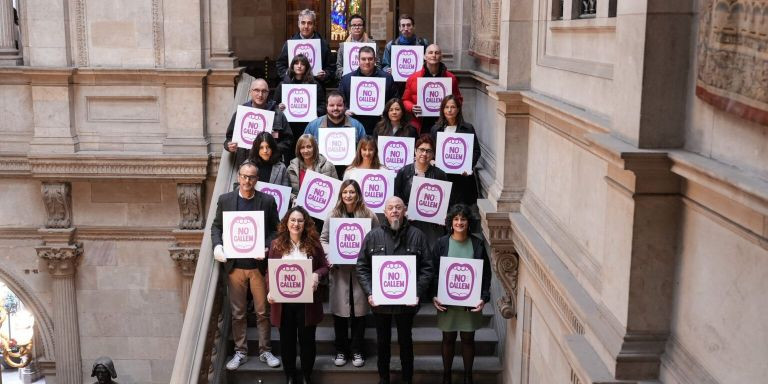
x,y
394,121
460,243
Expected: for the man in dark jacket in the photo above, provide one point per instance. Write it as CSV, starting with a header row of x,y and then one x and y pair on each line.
x,y
246,274
281,130
367,58
395,237
307,31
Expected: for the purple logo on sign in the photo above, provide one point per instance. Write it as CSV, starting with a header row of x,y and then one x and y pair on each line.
x,y
406,62
394,279
432,95
429,197
354,58
367,95
307,50
298,102
374,190
336,146
454,152
252,124
290,280
349,239
242,232
318,195
276,194
459,281
394,155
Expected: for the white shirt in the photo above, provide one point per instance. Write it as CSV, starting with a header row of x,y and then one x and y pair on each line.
x,y
450,129
296,253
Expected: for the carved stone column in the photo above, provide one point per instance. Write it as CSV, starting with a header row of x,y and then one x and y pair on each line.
x,y
58,204
9,54
186,260
190,198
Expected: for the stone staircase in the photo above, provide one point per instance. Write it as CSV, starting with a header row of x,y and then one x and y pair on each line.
x,y
428,364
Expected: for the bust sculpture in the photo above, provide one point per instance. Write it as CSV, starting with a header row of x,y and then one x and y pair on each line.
x,y
104,371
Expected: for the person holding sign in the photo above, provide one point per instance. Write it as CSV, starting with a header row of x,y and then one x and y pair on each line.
x,y
366,157
452,121
297,239
394,121
308,157
266,157
281,131
344,283
407,28
246,274
395,237
433,67
307,31
422,166
367,58
357,34
460,243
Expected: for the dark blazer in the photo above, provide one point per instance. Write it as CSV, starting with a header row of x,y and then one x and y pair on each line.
x,y
313,312
279,125
441,250
404,180
262,202
464,188
329,61
345,88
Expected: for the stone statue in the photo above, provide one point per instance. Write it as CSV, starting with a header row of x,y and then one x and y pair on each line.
x,y
104,371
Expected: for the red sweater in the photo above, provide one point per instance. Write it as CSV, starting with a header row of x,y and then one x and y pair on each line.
x,y
409,96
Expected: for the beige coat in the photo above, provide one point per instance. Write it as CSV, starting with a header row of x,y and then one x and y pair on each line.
x,y
344,277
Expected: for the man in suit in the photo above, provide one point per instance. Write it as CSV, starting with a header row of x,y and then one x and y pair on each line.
x,y
247,274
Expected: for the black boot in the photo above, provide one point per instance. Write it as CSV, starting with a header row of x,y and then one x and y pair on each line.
x,y
447,378
468,378
307,380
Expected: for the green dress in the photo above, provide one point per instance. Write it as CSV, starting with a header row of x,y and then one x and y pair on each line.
x,y
459,318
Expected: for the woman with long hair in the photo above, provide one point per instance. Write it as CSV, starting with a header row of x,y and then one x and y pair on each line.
x,y
349,303
308,157
266,156
366,157
461,243
297,239
394,121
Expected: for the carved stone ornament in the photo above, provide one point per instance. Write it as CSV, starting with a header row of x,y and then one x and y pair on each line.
x,y
186,259
190,205
60,261
57,198
484,40
506,264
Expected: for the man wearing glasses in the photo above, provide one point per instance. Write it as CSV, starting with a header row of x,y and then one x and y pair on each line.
x,y
357,34
281,130
395,237
246,274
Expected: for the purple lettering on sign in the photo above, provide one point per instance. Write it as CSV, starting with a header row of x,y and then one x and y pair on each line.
x,y
395,155
307,50
242,232
367,94
429,197
298,102
432,95
276,194
406,62
336,146
290,280
454,152
354,58
459,281
252,124
393,277
374,190
349,240
318,195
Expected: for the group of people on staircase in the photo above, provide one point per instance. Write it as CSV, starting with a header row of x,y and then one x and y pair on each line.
x,y
286,155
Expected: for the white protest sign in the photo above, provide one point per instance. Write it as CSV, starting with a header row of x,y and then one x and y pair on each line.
x,y
430,92
377,185
394,280
290,281
406,60
300,102
318,194
460,281
337,144
454,152
281,193
429,200
243,234
395,152
309,48
352,55
346,239
367,95
249,122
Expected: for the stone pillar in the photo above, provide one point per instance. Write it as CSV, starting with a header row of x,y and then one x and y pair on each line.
x,y
9,54
186,260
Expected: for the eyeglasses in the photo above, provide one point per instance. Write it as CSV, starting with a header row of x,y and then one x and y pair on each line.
x,y
250,177
356,25
424,150
260,91
391,208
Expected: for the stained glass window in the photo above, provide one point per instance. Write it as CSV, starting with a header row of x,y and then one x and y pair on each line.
x,y
341,10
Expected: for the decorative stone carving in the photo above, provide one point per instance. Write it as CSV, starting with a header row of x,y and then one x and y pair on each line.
x,y
157,32
190,205
186,259
484,40
60,261
138,167
57,198
506,265
78,19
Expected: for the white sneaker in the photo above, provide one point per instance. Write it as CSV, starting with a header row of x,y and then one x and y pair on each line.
x,y
340,360
239,359
358,360
270,359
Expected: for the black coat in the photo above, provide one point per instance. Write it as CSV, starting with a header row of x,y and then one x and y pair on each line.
x,y
441,250
279,125
404,180
262,202
345,88
383,241
329,62
464,188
